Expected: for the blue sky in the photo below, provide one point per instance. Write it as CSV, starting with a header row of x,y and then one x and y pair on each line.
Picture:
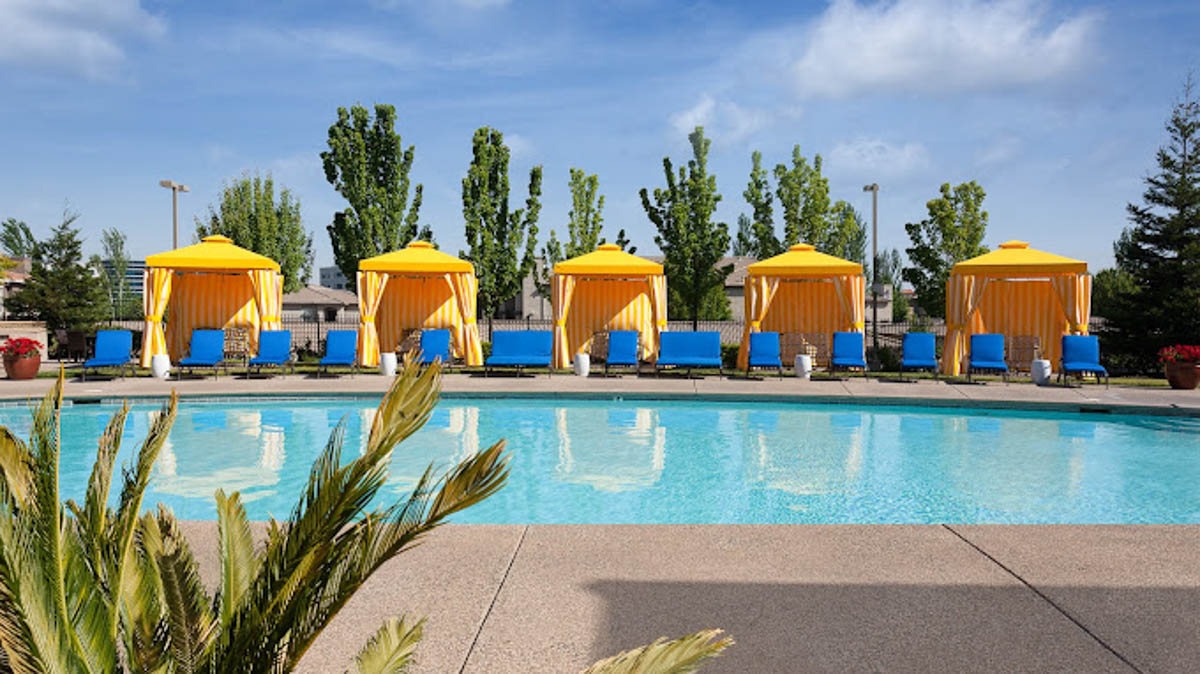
x,y
1055,107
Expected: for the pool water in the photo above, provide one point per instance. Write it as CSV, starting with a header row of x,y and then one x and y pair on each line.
x,y
612,461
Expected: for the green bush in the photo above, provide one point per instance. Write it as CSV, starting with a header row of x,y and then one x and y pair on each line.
x,y
487,349
729,356
889,359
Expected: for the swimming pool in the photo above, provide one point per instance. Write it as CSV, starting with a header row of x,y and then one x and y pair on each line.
x,y
613,461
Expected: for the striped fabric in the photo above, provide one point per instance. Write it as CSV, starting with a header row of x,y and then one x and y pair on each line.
x,y
210,300
391,304
268,297
584,306
157,284
811,305
1047,307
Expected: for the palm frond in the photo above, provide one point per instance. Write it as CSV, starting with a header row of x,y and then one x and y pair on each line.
x,y
406,406
239,563
16,466
679,656
190,622
391,650
94,518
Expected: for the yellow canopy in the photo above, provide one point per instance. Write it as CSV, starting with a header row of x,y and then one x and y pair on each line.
x,y
803,260
417,287
1016,291
417,257
209,285
608,260
212,253
1015,258
802,291
607,289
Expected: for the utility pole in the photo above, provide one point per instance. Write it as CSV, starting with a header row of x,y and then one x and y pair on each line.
x,y
873,188
175,188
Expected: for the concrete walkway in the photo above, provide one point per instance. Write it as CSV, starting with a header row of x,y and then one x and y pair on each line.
x,y
809,598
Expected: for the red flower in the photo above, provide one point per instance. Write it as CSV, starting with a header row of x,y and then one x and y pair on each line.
x,y
21,347
1180,353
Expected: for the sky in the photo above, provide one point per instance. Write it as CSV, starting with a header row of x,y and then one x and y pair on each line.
x,y
1056,108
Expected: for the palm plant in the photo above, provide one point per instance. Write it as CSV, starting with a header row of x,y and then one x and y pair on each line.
x,y
90,588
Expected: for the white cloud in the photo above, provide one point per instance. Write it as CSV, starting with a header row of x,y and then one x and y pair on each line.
x,y
940,45
999,151
519,147
80,37
724,121
878,157
439,4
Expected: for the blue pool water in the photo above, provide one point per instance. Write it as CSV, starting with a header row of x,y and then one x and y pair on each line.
x,y
689,462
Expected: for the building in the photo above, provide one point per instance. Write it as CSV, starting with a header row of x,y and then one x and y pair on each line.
x,y
528,303
13,280
135,279
735,283
333,278
319,304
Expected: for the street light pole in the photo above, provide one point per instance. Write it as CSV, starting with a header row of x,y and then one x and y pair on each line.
x,y
175,188
873,188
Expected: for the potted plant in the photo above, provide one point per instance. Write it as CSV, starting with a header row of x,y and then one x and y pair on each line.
x,y
1181,363
22,357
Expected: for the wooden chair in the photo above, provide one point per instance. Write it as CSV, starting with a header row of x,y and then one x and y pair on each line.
x,y
237,346
77,348
1022,351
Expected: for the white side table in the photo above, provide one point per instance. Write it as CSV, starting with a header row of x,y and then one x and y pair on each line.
x,y
803,366
1039,371
160,365
387,363
583,364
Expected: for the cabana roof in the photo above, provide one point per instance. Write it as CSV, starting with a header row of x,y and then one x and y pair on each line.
x,y
212,253
802,260
417,256
1015,258
608,260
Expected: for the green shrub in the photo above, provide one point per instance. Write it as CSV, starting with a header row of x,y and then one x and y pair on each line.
x,y
729,354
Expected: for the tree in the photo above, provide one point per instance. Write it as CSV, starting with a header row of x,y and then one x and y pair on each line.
x,y
61,290
890,265
17,239
368,166
92,588
756,235
250,215
953,232
804,195
1161,250
495,235
1110,287
692,244
846,236
583,227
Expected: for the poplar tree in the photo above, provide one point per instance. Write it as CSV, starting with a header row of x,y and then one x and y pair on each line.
x,y
692,244
501,243
953,232
367,164
584,223
804,195
251,215
756,236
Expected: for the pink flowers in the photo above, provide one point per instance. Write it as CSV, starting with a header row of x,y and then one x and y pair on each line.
x,y
1180,353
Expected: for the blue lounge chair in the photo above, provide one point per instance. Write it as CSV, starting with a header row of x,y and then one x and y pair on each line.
x,y
987,355
919,352
435,345
207,349
689,349
520,348
623,350
112,350
764,351
274,350
341,349
848,353
1080,354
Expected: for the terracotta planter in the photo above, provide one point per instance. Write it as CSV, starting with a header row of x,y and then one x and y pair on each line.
x,y
27,368
1185,376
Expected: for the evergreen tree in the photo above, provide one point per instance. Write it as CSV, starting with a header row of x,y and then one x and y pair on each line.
x,y
1161,251
502,243
251,215
1109,286
61,290
692,244
953,232
367,164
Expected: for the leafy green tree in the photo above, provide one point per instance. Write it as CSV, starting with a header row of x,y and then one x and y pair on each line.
x,y
17,239
367,164
1110,287
804,195
890,264
953,232
846,236
756,236
1161,250
61,290
692,244
125,304
623,241
251,215
743,241
502,243
584,221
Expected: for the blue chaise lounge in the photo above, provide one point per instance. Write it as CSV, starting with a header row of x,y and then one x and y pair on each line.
x,y
112,350
689,349
274,350
1081,354
764,352
987,355
341,350
919,352
519,349
207,349
848,352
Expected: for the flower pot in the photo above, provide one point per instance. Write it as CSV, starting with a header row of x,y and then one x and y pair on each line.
x,y
1180,375
27,368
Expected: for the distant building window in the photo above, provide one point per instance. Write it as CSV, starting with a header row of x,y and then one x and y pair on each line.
x,y
331,314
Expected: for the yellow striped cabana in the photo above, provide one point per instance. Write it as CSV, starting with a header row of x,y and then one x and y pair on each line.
x,y
209,285
607,289
1016,290
417,287
802,290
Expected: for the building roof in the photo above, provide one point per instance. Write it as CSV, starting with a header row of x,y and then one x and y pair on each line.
x,y
212,253
318,296
608,260
736,278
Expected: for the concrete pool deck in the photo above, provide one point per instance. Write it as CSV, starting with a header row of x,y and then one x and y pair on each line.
x,y
554,598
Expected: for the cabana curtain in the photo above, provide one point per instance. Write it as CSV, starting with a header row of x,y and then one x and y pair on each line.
x,y
156,295
371,285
